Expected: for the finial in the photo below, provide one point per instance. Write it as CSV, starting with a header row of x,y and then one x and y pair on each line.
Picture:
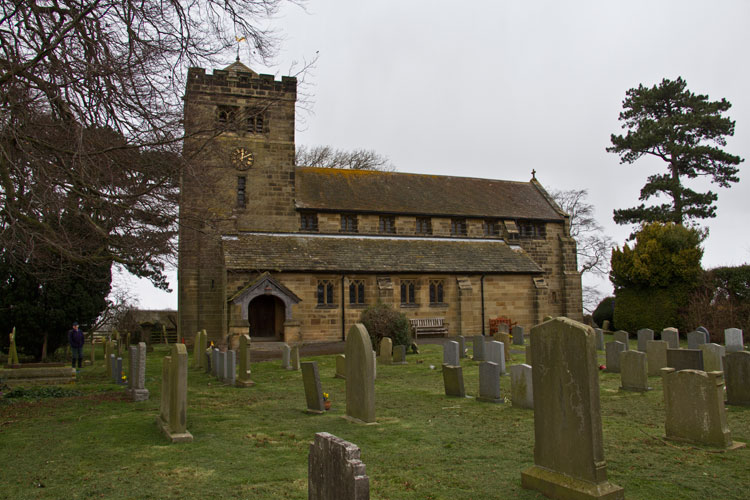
x,y
239,40
533,174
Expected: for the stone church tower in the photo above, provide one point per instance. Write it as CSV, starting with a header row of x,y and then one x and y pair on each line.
x,y
239,144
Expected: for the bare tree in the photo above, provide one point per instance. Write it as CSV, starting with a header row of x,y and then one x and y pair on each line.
x,y
328,157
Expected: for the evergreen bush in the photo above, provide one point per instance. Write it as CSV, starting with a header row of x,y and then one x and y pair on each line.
x,y
381,320
605,311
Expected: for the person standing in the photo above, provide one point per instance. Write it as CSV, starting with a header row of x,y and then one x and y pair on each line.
x,y
75,339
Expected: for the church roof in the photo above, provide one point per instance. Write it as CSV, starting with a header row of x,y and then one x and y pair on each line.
x,y
372,254
238,67
328,189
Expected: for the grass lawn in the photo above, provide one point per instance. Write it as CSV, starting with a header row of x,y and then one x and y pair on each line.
x,y
253,443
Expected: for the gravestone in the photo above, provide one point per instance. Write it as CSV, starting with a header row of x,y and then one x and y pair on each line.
x,y
172,419
137,372
644,335
295,358
451,353
623,337
503,328
605,325
695,339
399,355
335,471
672,337
712,356
221,372
286,355
202,345
453,379
386,351
478,348
568,445
504,338
340,366
521,386
360,376
489,382
706,335
656,355
517,333
599,339
461,346
230,368
733,340
13,351
243,351
118,373
112,368
197,350
494,351
694,407
215,362
208,361
737,375
633,371
313,391
613,351
685,359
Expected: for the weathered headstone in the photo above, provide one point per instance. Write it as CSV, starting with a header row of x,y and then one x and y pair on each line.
x,y
733,340
613,351
230,369
286,356
137,372
599,339
489,382
695,339
207,357
118,373
503,328
453,379
340,366
706,335
478,348
215,362
360,376
623,337
295,358
505,339
712,356
672,337
173,416
517,333
644,335
451,354
656,356
203,344
568,445
313,391
737,375
694,406
461,346
335,471
12,350
399,355
222,369
197,350
243,351
522,386
605,325
494,351
685,359
633,371
112,368
386,351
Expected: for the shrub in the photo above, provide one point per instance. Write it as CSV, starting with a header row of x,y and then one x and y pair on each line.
x,y
381,320
654,308
605,311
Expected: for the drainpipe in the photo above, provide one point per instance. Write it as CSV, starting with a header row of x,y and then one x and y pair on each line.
x,y
343,311
481,282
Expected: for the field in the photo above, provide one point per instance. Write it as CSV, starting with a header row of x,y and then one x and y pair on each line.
x,y
253,443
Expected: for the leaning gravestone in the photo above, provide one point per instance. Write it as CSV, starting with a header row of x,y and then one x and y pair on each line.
x,y
599,339
453,379
623,337
568,445
644,335
286,354
685,359
478,348
295,358
172,419
695,339
733,340
521,386
335,471
450,353
712,356
656,356
360,376
137,372
461,346
672,337
243,351
386,351
489,382
613,351
694,406
737,375
340,366
633,371
494,351
517,333
313,391
399,355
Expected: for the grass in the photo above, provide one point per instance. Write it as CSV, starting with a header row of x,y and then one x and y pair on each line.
x,y
253,443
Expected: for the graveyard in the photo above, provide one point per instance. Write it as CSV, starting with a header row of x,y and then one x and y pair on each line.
x,y
253,442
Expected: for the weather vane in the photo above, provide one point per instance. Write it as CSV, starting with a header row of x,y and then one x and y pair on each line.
x,y
239,40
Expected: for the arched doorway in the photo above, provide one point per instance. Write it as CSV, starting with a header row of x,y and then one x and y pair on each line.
x,y
266,317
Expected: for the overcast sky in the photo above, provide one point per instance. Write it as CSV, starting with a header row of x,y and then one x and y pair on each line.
x,y
494,89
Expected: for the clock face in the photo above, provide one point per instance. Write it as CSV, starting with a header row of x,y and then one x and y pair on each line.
x,y
242,158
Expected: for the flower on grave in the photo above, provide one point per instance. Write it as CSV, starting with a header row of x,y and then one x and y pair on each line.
x,y
325,396
602,367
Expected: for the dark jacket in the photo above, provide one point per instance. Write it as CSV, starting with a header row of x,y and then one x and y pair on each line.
x,y
75,338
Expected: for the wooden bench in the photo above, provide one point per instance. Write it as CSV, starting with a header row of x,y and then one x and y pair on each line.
x,y
428,326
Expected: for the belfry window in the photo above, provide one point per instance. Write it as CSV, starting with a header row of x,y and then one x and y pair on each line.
x,y
241,182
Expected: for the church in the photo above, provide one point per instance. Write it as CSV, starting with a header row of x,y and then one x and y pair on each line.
x,y
295,254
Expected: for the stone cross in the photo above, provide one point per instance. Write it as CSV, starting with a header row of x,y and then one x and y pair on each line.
x,y
243,380
172,419
568,445
522,386
335,471
360,376
313,390
644,335
489,382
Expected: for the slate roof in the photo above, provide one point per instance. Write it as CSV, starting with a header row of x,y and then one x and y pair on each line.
x,y
293,252
327,189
